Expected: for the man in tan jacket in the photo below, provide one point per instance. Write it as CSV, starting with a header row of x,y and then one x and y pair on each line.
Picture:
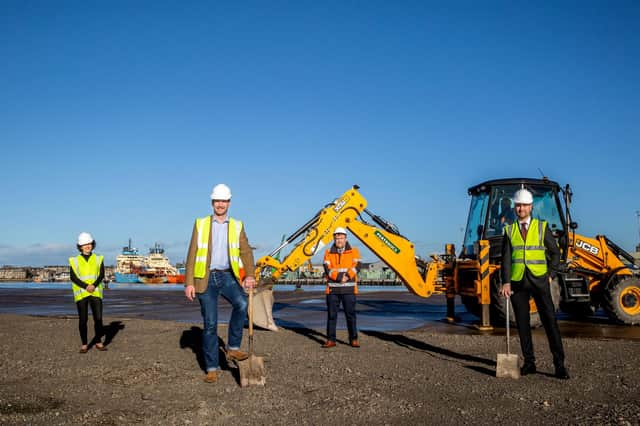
x,y
219,263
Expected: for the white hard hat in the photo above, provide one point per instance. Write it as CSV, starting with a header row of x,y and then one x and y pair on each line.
x,y
340,230
84,238
523,196
221,192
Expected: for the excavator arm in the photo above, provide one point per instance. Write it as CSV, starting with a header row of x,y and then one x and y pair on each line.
x,y
385,241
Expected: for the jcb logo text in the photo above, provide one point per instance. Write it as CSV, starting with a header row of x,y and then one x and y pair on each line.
x,y
587,247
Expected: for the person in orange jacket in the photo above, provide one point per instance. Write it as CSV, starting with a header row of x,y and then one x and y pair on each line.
x,y
340,263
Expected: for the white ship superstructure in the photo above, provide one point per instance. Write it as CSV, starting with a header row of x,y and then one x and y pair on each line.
x,y
128,265
157,262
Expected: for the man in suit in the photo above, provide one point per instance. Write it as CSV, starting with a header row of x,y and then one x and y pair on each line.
x,y
530,257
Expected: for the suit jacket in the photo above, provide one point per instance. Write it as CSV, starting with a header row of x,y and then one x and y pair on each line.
x,y
246,254
552,254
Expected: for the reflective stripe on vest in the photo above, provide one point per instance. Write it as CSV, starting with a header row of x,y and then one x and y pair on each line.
x,y
203,228
346,263
235,228
529,254
87,271
337,271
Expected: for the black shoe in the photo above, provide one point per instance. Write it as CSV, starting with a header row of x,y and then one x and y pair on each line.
x,y
562,373
528,368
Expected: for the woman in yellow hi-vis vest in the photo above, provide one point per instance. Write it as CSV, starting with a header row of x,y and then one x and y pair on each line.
x,y
87,274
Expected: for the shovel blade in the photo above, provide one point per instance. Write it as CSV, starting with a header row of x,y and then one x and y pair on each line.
x,y
252,371
507,366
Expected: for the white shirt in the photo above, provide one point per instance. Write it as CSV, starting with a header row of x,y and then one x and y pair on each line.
x,y
527,222
219,245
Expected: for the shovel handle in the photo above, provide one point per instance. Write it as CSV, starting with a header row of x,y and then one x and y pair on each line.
x,y
507,302
251,320
251,311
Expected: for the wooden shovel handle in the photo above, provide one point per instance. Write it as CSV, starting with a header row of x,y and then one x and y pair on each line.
x,y
251,312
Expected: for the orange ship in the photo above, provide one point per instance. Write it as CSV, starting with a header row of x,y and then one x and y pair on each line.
x,y
151,277
176,279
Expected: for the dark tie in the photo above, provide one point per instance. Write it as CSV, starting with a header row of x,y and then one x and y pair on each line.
x,y
523,230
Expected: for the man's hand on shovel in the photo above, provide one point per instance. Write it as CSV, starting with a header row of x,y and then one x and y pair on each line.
x,y
249,282
505,291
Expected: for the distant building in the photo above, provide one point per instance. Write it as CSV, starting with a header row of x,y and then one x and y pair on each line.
x,y
109,273
376,271
51,273
14,273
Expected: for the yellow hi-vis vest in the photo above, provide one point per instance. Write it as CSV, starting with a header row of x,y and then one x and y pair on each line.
x,y
203,228
87,271
530,253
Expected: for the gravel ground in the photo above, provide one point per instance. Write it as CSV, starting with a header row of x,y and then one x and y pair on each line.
x,y
152,374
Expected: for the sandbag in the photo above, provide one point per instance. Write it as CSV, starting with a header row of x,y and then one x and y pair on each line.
x,y
263,308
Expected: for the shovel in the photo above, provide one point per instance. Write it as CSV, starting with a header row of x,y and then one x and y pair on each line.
x,y
252,368
507,365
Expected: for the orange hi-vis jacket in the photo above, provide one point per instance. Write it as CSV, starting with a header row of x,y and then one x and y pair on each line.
x,y
336,265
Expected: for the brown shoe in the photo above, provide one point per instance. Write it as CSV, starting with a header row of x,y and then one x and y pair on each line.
x,y
101,347
211,377
236,355
84,350
329,344
355,343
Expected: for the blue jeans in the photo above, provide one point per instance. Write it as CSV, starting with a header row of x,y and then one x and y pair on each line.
x,y
225,284
349,306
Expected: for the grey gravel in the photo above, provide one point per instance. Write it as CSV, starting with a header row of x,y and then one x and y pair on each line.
x,y
151,375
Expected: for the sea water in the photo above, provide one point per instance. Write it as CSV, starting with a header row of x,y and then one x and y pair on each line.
x,y
180,287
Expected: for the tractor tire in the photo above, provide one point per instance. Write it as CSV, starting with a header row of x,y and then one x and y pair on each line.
x,y
472,305
498,307
622,300
578,310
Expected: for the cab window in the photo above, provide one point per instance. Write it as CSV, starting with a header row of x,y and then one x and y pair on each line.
x,y
475,223
546,208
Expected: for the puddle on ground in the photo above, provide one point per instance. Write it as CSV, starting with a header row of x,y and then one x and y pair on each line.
x,y
382,311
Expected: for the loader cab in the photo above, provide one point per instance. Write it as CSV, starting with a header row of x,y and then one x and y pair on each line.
x,y
492,211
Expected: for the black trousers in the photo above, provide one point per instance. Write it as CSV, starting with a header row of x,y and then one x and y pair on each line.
x,y
349,306
539,288
83,317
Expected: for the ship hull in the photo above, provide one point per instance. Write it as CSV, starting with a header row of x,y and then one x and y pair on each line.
x,y
126,278
152,279
176,279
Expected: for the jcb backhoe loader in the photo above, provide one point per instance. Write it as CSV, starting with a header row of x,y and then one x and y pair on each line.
x,y
593,271
592,276
384,240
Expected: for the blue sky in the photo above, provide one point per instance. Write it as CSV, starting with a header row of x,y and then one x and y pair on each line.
x,y
117,118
